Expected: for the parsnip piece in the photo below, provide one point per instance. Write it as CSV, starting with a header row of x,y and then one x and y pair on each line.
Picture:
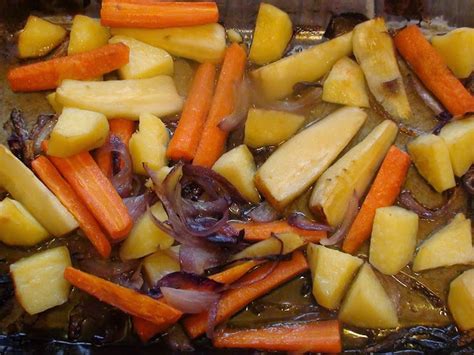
x,y
39,37
461,300
58,108
160,264
86,34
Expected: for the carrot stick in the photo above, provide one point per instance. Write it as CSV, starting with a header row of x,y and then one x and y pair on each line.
x,y
97,193
121,128
259,231
232,301
82,66
186,138
125,299
321,336
433,71
213,138
64,192
154,14
383,192
146,329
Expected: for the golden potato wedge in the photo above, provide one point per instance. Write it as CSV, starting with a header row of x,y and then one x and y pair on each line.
x,y
159,264
86,34
39,37
461,300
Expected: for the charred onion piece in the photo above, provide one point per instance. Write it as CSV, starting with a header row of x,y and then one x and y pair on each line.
x,y
300,221
242,105
468,180
407,200
264,213
19,140
137,205
41,130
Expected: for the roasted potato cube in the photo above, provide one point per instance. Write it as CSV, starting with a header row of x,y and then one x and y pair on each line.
x,y
461,300
159,264
86,34
39,37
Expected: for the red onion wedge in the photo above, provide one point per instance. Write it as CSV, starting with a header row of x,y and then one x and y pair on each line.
x,y
189,301
264,213
241,107
407,200
299,220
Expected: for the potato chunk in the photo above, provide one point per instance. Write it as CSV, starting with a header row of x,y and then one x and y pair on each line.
x,y
366,304
77,131
272,33
393,240
332,271
159,264
39,280
18,226
148,145
299,162
39,37
86,34
145,61
238,166
270,127
461,300
345,84
451,245
57,107
430,154
145,237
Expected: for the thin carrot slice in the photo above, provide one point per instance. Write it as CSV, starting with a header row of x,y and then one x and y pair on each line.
x,y
213,138
383,192
259,231
433,71
155,14
82,66
234,300
322,336
125,299
64,192
186,138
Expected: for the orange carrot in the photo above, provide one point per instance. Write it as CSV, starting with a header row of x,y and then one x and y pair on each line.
x,y
213,138
259,231
383,192
121,128
186,138
155,14
64,192
97,193
321,336
433,71
82,66
125,299
146,329
232,301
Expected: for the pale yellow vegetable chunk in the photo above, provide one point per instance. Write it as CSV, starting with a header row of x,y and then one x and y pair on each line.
x,y
351,174
366,304
183,76
298,163
39,280
461,299
57,107
148,145
39,37
273,31
145,61
430,154
451,245
205,43
457,49
86,34
160,264
332,271
345,84
37,199
145,237
18,226
270,127
276,80
459,137
234,36
77,131
122,98
393,240
238,167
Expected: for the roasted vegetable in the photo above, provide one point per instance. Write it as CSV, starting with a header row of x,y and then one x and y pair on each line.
x,y
39,37
461,299
159,264
86,34
57,107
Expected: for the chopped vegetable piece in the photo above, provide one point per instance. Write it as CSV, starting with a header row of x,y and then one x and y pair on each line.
x,y
213,139
234,273
86,34
37,199
149,14
57,107
147,330
301,160
351,173
273,31
64,192
185,140
125,299
39,37
322,336
234,300
83,66
276,80
205,43
433,72
461,299
39,280
383,192
159,264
